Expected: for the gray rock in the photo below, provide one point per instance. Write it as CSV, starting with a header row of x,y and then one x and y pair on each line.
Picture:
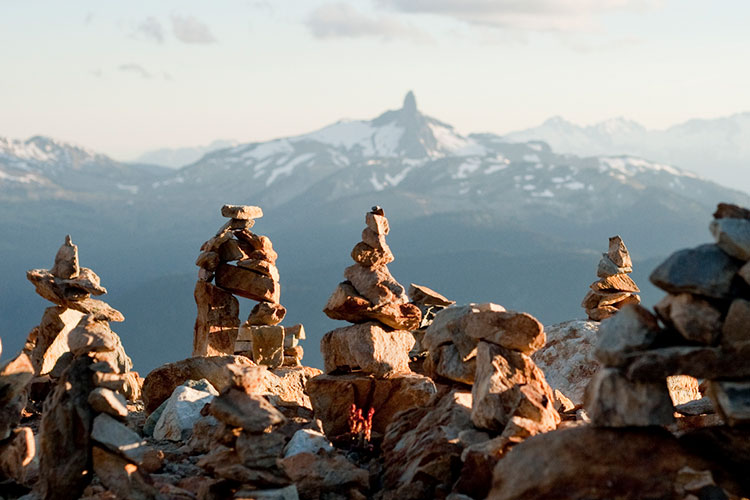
x,y
632,329
567,359
307,441
698,362
260,450
732,400
116,437
239,409
732,236
182,410
702,406
448,363
608,268
614,401
288,493
705,270
735,332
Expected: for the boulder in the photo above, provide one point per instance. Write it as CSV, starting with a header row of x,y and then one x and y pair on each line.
x,y
285,387
698,362
122,477
364,254
161,382
367,347
632,329
732,400
567,359
248,284
614,401
346,304
421,448
618,252
217,322
593,463
732,236
509,329
318,476
182,410
65,432
447,362
266,313
307,441
448,328
694,318
508,384
705,270
332,398
252,413
260,450
52,337
376,284
103,400
18,457
734,331
268,345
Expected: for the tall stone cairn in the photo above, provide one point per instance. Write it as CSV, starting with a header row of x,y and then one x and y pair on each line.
x,y
70,287
703,334
240,262
615,288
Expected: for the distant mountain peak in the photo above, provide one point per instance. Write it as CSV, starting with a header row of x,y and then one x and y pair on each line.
x,y
410,103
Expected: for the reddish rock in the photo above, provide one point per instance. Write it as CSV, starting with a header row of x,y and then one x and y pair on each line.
x,y
364,254
18,459
260,266
593,463
510,329
248,284
122,477
333,396
346,304
508,384
162,381
695,318
252,413
244,212
618,252
376,284
617,282
735,333
318,477
367,347
266,313
217,322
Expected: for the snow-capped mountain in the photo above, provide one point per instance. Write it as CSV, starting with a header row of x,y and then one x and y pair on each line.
x,y
179,157
718,149
42,167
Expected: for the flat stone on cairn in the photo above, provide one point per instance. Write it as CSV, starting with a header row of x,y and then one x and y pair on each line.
x,y
615,288
242,263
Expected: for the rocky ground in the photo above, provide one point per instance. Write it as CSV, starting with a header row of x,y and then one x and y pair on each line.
x,y
420,398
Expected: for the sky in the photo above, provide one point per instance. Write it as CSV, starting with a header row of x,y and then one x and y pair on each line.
x,y
123,78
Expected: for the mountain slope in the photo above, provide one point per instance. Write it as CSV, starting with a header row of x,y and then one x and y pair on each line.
x,y
718,149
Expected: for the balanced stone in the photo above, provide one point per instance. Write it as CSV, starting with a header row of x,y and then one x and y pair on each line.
x,y
266,313
368,347
66,261
243,212
217,321
247,284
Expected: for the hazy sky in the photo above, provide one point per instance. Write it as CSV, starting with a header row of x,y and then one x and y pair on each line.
x,y
129,76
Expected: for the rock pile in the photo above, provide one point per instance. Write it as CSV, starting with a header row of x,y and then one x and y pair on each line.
x,y
367,363
70,287
18,461
615,288
242,263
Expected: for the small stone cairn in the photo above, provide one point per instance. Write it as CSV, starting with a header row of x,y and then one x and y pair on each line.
x,y
70,286
242,263
380,340
615,288
703,333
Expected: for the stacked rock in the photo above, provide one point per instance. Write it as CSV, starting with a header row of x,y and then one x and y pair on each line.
x,y
17,444
70,287
705,334
83,422
375,349
242,263
380,340
615,288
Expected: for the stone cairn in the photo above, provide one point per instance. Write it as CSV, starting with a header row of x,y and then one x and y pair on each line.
x,y
615,288
70,286
705,334
254,276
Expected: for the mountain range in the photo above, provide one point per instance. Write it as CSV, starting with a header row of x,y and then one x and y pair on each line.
x,y
718,149
475,217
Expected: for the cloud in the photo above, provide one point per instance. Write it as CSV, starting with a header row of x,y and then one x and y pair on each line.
x,y
530,15
333,20
151,29
136,69
191,30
